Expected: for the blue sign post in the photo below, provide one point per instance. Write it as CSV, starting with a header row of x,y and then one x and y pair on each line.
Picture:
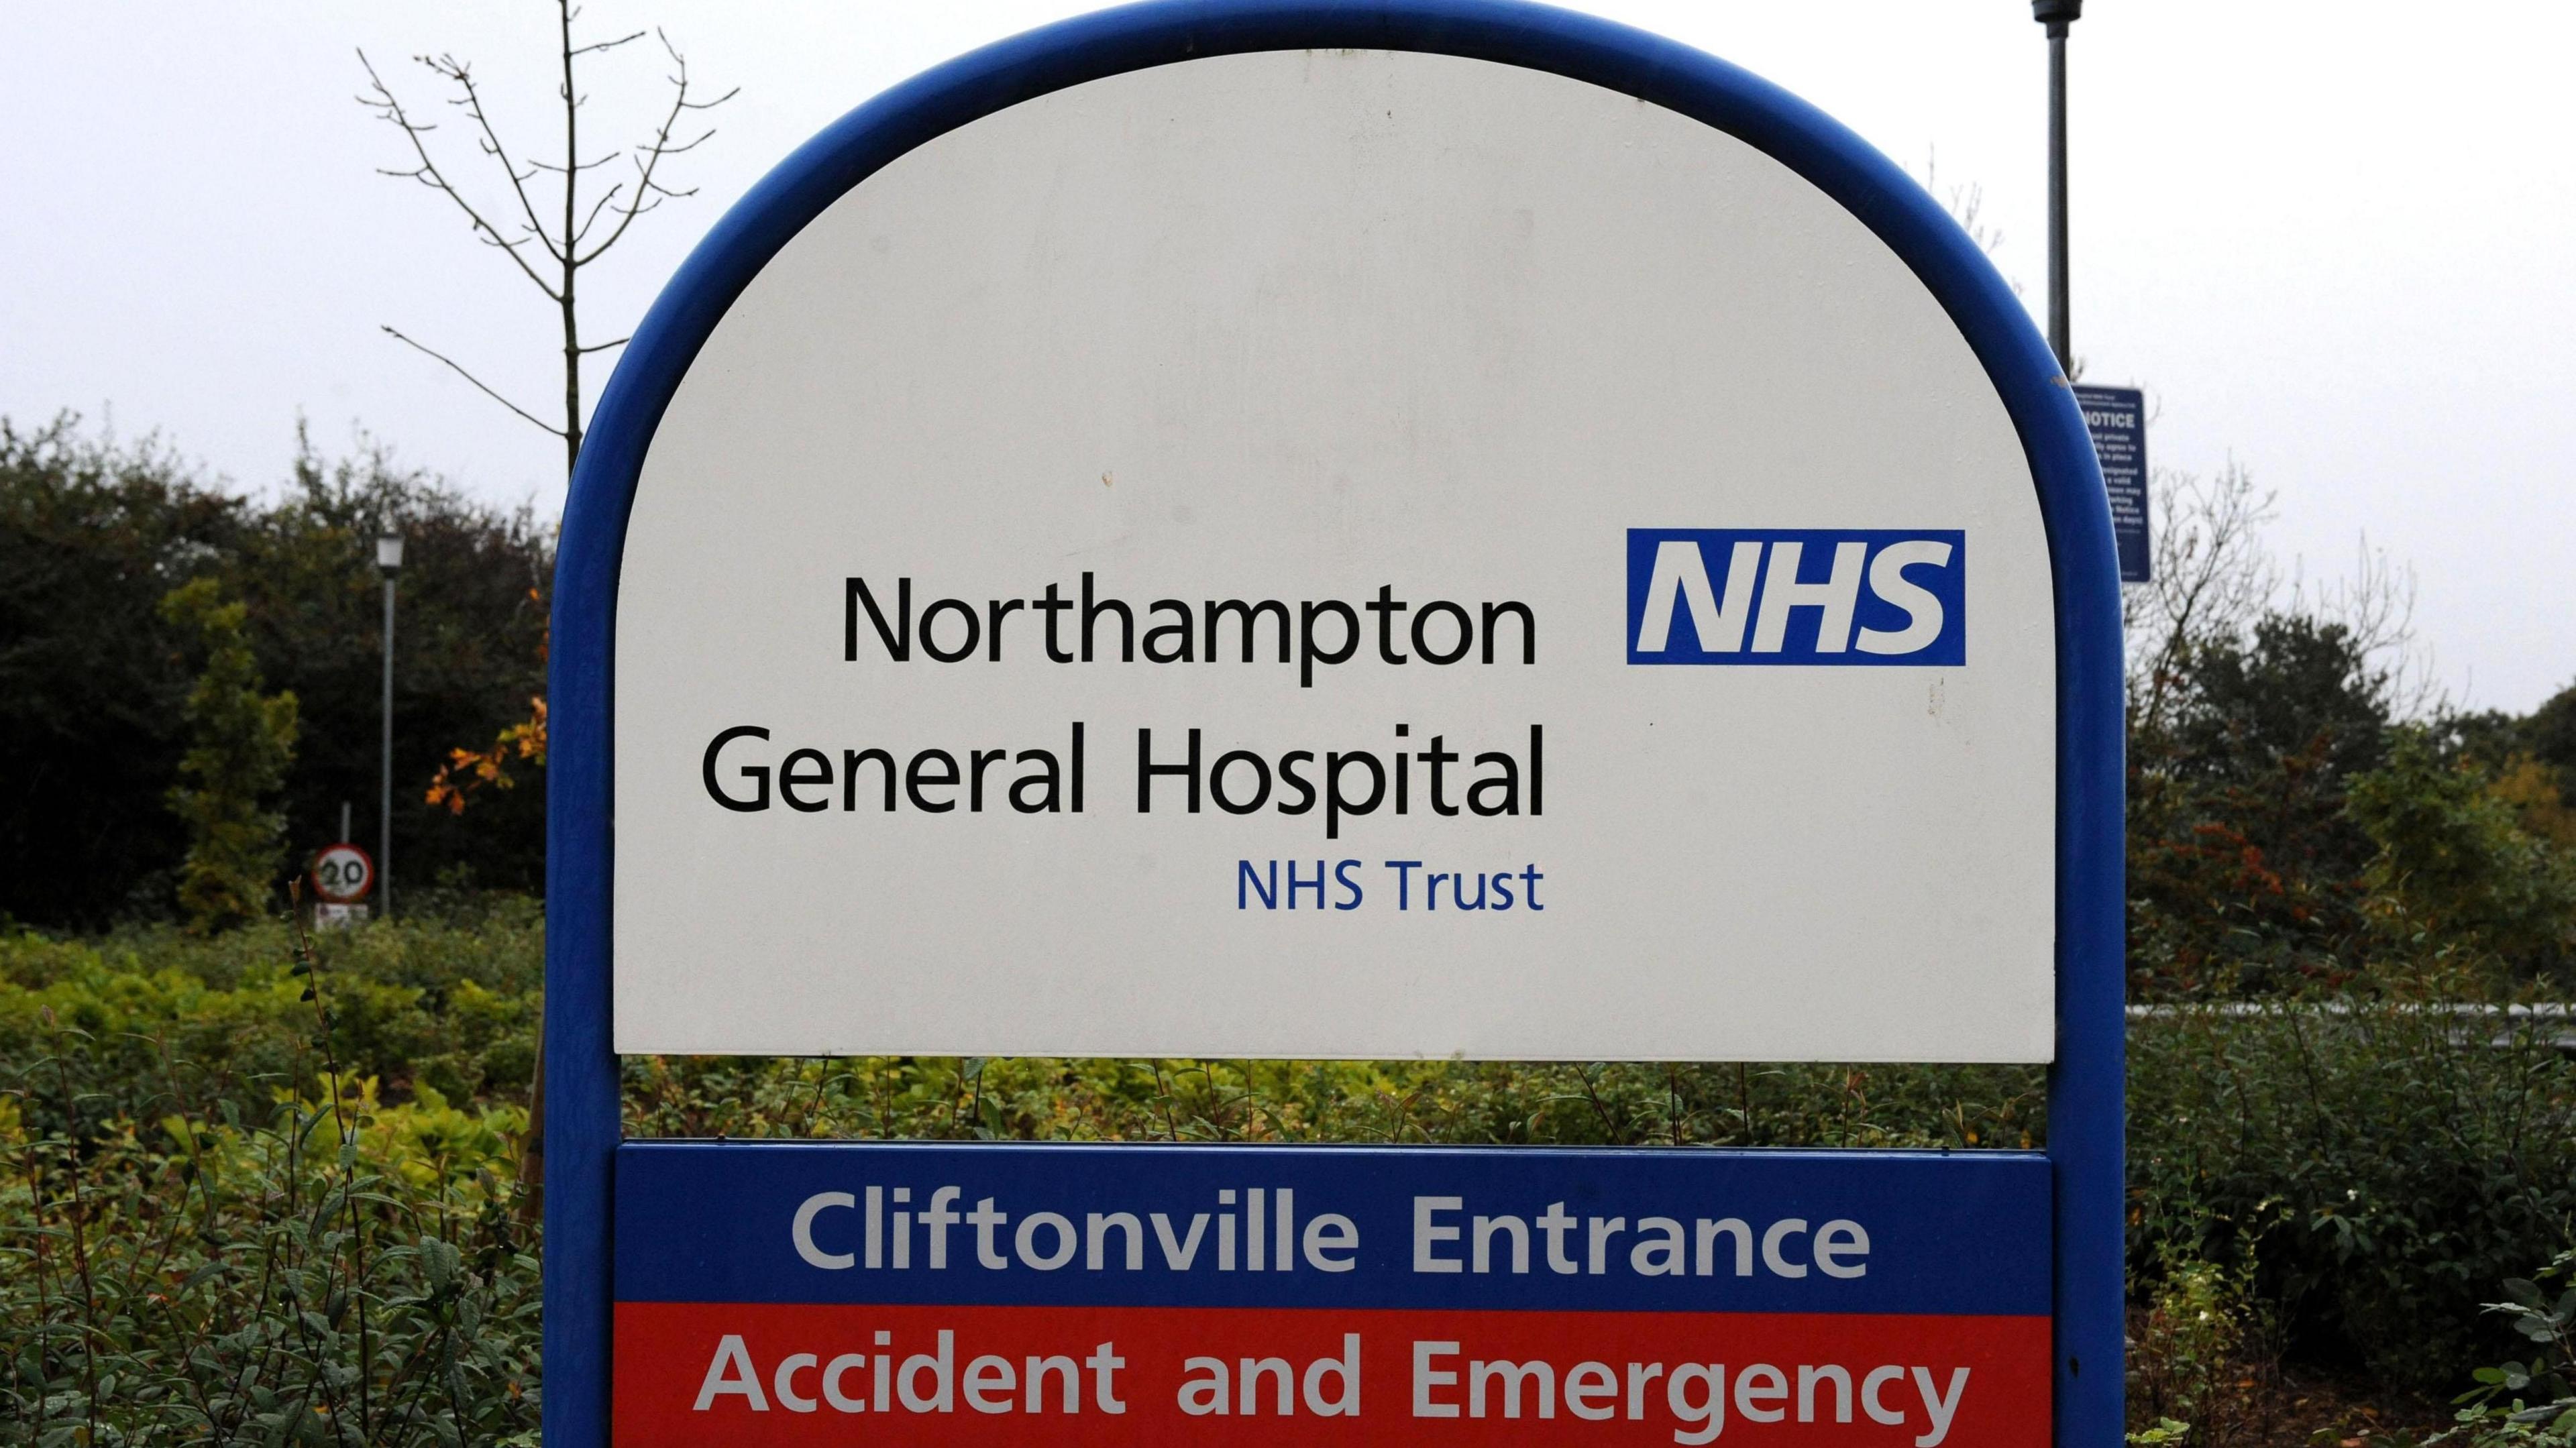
x,y
753,1293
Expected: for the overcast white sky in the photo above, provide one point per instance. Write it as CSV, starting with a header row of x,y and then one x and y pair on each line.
x,y
2336,242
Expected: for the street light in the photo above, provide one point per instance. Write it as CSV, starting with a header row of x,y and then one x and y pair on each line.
x,y
389,556
2058,16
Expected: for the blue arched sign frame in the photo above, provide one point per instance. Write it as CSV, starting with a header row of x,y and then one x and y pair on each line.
x,y
2086,1112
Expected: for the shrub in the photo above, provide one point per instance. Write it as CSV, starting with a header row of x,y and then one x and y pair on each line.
x,y
2384,1165
2345,1184
2528,1403
94,679
174,1022
1439,1102
338,1270
240,742
2203,1355
2454,862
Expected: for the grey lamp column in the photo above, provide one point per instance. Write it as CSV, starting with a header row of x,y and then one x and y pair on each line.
x,y
2058,16
389,557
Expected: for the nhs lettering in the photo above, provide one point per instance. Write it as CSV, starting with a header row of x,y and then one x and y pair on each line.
x,y
1797,596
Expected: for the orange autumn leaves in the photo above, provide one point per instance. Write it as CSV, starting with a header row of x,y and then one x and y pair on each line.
x,y
524,743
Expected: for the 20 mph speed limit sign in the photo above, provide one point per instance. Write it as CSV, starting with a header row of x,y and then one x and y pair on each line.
x,y
343,874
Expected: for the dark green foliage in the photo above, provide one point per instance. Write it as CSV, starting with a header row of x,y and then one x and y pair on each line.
x,y
240,742
2301,689
2381,1168
206,1026
2286,832
2244,868
2529,1399
264,1284
2454,865
1435,1102
2363,1180
2550,735
232,1215
93,680
323,1269
468,654
219,1231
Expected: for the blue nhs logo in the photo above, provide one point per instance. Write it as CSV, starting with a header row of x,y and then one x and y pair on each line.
x,y
1797,596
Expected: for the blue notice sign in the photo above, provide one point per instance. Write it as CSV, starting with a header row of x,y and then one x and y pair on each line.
x,y
2117,418
775,1292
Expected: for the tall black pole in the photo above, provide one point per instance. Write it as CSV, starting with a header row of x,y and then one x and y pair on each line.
x,y
2058,15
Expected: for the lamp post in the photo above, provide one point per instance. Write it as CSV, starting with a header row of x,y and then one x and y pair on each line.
x,y
2058,16
389,557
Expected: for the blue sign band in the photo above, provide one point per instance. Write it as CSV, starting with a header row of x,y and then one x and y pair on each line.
x,y
1516,1229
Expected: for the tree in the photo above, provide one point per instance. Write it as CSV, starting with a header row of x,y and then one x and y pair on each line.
x,y
240,743
2256,699
2245,867
2550,735
563,250
2455,861
2211,580
468,649
2303,808
92,682
551,255
469,770
94,679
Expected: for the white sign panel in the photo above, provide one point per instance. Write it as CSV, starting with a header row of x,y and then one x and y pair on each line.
x,y
1350,554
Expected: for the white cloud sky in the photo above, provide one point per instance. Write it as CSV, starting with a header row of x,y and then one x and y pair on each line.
x,y
2333,241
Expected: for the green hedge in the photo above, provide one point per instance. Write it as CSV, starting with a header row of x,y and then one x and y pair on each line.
x,y
240,1177
2382,1172
172,1021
